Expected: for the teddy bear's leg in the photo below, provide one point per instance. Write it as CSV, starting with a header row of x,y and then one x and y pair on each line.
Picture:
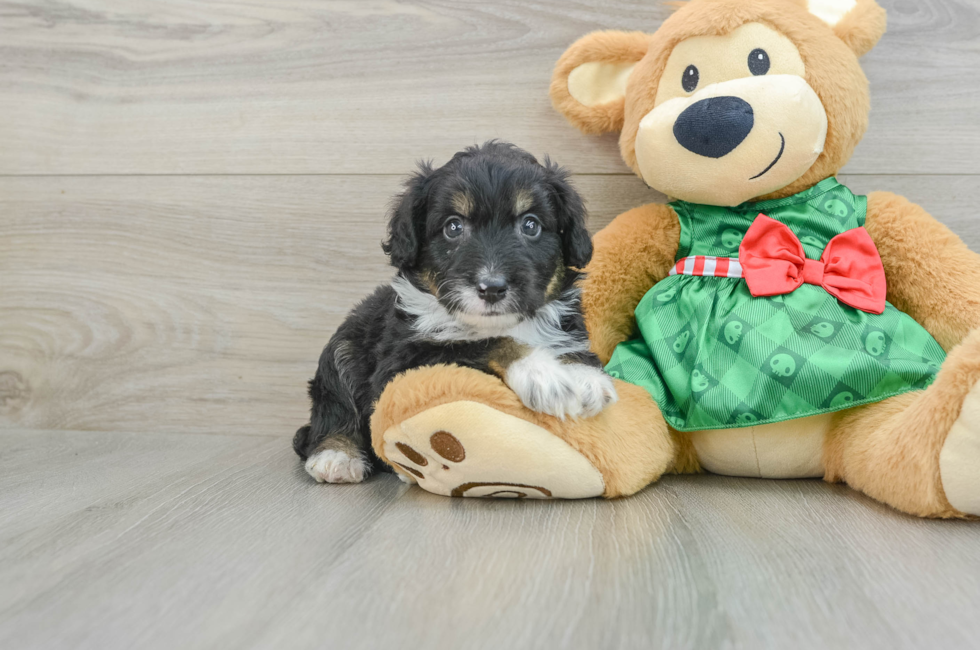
x,y
920,451
459,432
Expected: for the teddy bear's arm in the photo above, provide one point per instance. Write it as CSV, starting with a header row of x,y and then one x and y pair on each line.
x,y
632,253
932,275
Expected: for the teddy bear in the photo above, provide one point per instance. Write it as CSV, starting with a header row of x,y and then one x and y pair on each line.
x,y
767,322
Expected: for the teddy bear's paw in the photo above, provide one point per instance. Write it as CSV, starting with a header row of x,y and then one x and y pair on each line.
x,y
959,460
470,449
336,466
405,478
547,385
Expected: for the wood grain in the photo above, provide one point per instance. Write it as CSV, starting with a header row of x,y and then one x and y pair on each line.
x,y
188,303
117,540
191,198
367,86
201,304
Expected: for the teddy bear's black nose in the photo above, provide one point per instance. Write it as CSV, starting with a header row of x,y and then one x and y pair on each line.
x,y
713,127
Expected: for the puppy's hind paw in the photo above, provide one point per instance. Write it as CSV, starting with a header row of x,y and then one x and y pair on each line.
x,y
335,466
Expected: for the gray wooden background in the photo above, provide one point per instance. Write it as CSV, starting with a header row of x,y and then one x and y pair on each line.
x,y
192,195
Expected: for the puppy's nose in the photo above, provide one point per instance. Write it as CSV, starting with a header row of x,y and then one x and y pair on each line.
x,y
713,127
492,290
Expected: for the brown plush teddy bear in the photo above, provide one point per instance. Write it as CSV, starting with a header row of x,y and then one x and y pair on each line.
x,y
767,322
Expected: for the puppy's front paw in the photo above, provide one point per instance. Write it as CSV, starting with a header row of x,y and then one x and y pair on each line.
x,y
595,388
546,385
545,389
335,466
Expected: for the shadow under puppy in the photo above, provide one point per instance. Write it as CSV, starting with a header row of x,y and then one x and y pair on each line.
x,y
487,249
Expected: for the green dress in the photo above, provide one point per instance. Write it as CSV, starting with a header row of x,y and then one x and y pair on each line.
x,y
714,357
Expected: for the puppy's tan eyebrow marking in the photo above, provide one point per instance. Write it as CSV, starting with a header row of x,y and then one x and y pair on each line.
x,y
462,204
523,201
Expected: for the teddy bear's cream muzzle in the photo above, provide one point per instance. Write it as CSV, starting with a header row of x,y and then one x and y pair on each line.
x,y
732,141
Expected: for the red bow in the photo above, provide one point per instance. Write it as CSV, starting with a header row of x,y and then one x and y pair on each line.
x,y
773,264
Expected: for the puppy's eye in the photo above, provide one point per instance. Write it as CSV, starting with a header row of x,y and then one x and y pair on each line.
x,y
690,78
453,228
758,61
530,226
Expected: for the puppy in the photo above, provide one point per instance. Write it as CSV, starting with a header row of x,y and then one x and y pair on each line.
x,y
487,249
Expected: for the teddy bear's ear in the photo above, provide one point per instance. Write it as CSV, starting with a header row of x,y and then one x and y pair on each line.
x,y
859,23
589,82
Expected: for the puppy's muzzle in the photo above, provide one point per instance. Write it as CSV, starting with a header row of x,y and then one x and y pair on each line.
x,y
492,290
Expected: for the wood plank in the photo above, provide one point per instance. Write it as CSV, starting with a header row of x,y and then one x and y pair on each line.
x,y
184,303
367,86
156,509
951,200
201,304
226,543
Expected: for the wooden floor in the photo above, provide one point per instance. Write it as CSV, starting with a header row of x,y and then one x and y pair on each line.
x,y
119,540
192,196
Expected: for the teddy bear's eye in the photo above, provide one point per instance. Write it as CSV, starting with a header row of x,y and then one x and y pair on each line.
x,y
758,61
690,78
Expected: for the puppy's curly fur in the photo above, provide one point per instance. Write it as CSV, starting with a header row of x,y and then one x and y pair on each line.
x,y
487,249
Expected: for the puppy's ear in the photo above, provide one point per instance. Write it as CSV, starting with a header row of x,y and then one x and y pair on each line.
x,y
576,243
406,226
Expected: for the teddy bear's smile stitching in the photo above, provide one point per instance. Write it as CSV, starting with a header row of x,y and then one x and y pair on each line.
x,y
782,148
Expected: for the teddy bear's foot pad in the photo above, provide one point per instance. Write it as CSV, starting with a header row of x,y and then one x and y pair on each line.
x,y
959,461
468,449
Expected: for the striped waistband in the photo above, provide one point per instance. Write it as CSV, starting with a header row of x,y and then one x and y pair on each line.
x,y
717,267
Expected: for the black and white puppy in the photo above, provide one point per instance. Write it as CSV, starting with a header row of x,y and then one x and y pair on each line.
x,y
487,249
